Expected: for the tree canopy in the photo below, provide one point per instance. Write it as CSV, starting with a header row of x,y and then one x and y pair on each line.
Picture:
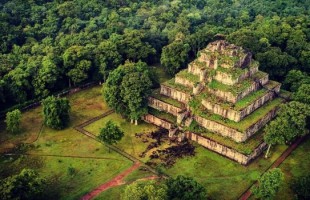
x,y
56,112
141,191
290,123
111,133
25,185
185,188
127,88
12,121
47,46
269,184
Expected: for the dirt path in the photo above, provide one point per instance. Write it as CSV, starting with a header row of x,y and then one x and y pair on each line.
x,y
277,163
116,181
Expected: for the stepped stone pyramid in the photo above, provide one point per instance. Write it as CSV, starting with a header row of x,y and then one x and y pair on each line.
x,y
223,92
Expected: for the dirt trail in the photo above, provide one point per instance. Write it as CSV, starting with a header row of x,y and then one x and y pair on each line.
x,y
116,181
278,162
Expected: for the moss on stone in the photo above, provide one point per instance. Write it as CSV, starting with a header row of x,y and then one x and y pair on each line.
x,y
171,83
163,115
234,89
188,76
245,148
156,94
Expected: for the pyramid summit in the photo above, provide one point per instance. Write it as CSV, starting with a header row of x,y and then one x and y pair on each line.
x,y
224,93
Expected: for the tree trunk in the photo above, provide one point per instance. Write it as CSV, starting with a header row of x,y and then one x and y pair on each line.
x,y
69,83
131,121
266,156
136,122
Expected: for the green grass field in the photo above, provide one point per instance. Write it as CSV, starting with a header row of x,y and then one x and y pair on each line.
x,y
89,172
129,142
296,165
223,178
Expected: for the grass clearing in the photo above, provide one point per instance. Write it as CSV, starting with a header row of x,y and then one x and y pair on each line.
x,y
223,178
296,165
129,142
88,173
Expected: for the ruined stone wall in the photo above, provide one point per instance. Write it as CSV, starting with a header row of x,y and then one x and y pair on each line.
x,y
160,105
174,94
224,150
237,115
261,123
233,133
228,79
183,81
196,70
157,121
233,98
221,129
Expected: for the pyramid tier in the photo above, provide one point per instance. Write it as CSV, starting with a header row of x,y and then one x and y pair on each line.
x,y
224,54
176,91
234,93
242,108
238,131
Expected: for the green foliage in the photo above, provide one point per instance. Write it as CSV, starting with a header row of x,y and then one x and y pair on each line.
x,y
185,188
303,94
174,56
56,112
111,133
26,185
141,191
290,123
295,78
127,89
301,187
268,184
12,121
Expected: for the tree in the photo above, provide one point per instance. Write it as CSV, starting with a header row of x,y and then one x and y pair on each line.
x,y
268,184
127,88
295,78
26,185
12,121
174,55
290,123
150,191
107,57
303,94
185,188
301,187
56,112
111,133
135,90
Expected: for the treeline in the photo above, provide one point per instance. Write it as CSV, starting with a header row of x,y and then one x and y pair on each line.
x,y
49,45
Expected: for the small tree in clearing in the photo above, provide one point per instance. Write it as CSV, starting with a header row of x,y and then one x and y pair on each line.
x,y
111,134
12,121
268,184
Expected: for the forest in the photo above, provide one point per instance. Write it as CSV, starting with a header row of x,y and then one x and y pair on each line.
x,y
51,45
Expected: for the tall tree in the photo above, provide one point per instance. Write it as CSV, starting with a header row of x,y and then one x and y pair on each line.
x,y
127,88
56,112
268,184
290,123
111,133
12,121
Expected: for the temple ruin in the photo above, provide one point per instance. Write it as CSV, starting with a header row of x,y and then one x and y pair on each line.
x,y
224,96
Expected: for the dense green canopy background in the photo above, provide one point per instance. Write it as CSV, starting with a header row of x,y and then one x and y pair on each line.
x,y
49,45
